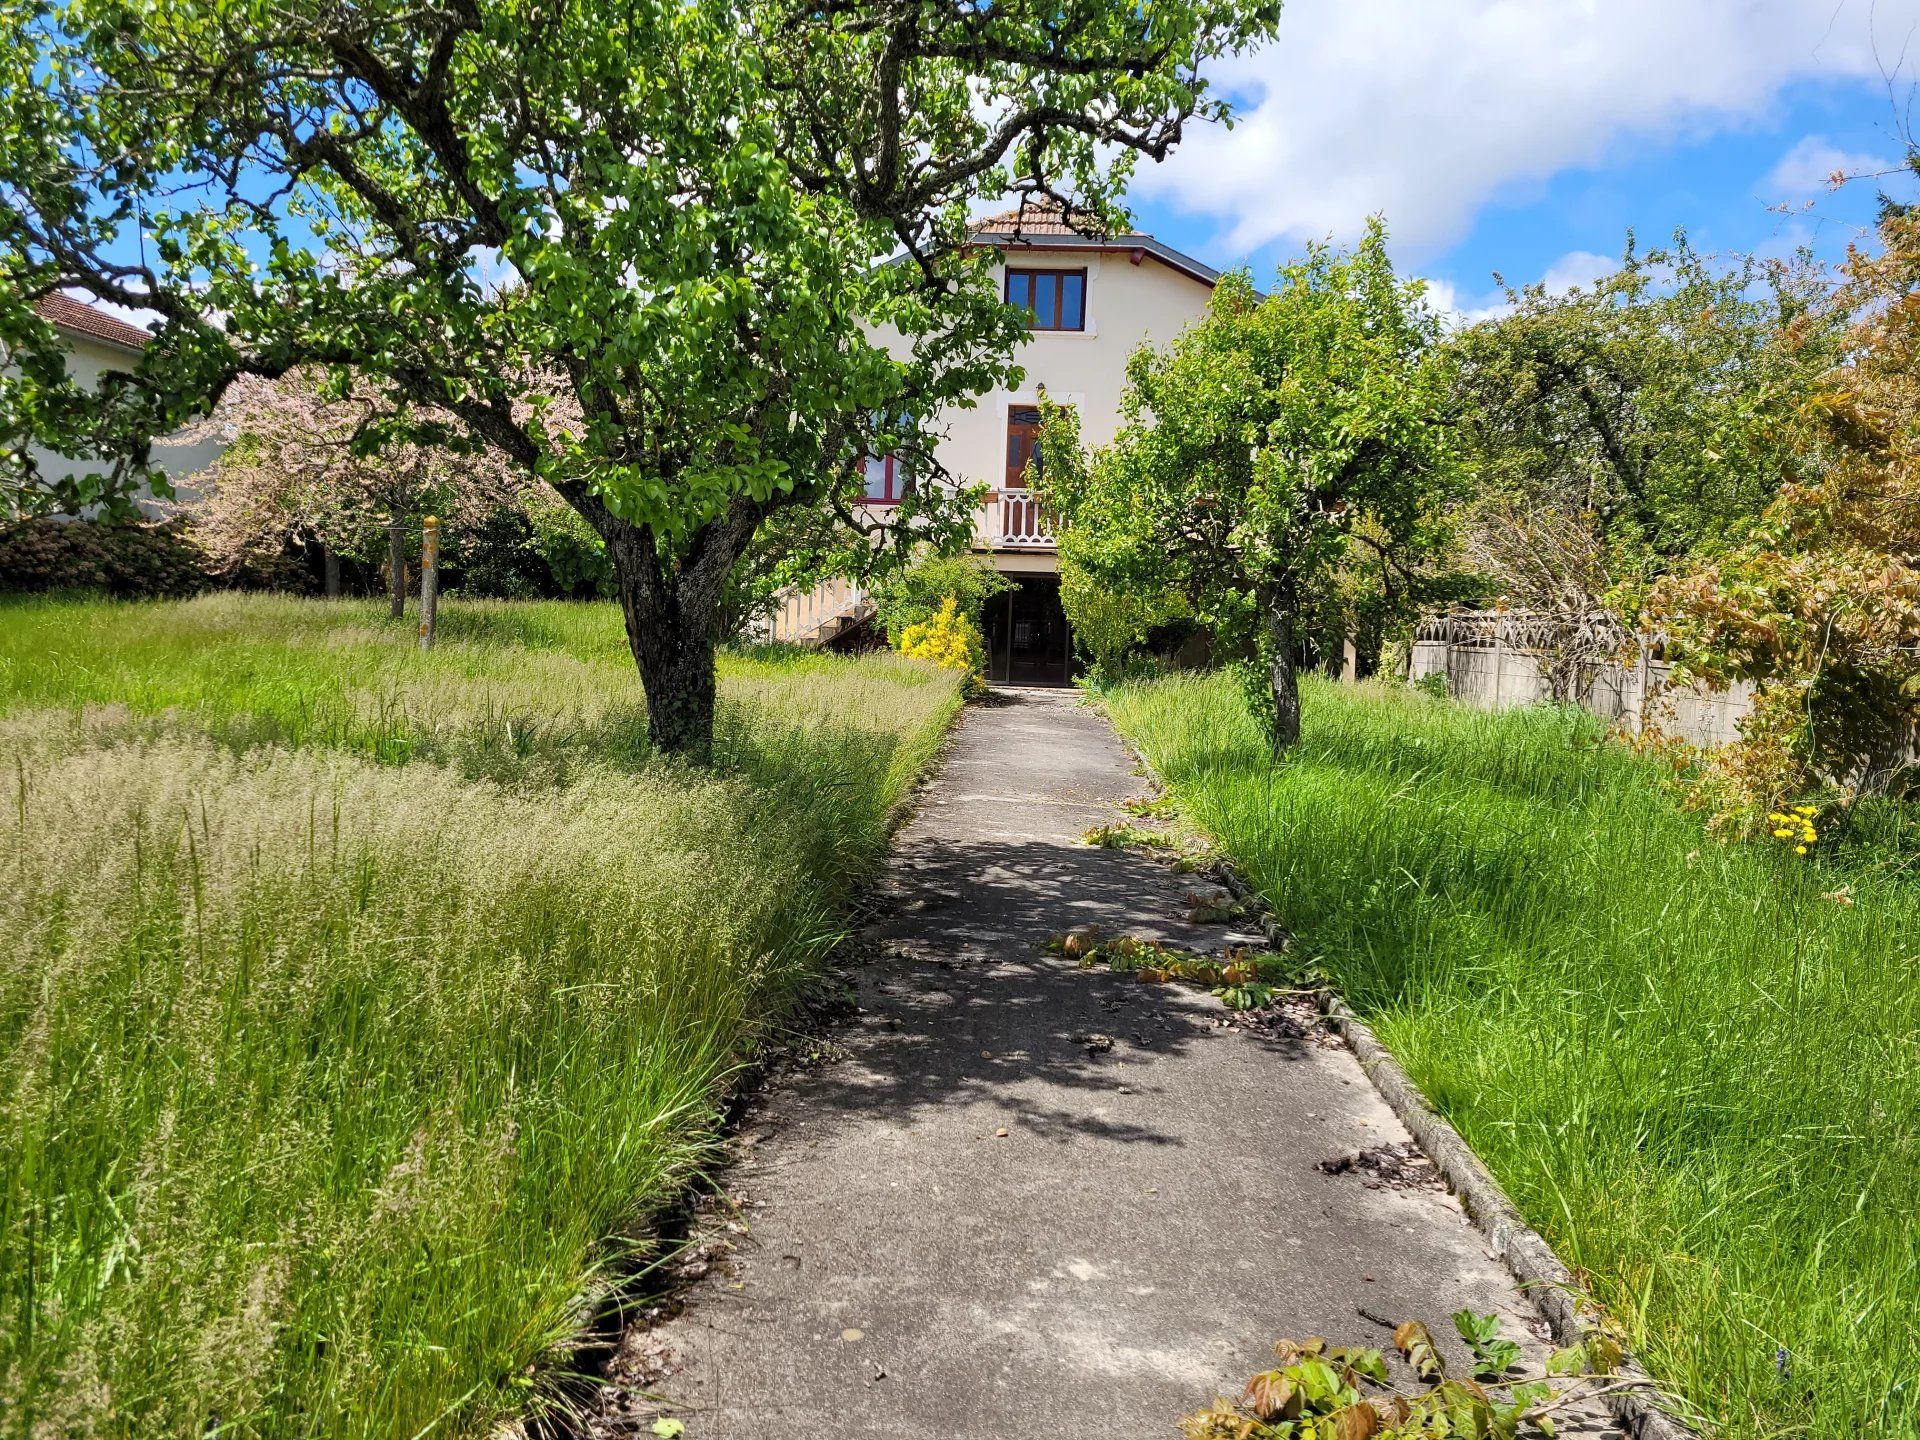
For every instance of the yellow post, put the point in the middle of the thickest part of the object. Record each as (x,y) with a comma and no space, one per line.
(429,578)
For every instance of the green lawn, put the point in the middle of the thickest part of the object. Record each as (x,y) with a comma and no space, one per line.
(357,1005)
(1693,1070)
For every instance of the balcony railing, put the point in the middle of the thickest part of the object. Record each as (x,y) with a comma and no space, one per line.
(1017,521)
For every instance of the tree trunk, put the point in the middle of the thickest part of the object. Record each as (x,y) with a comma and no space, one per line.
(396,566)
(329,573)
(676,663)
(1282,682)
(673,623)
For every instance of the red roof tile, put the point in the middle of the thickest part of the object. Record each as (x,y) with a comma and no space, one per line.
(1042,217)
(1043,229)
(63,312)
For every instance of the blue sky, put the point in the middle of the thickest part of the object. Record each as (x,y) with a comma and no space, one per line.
(1527,136)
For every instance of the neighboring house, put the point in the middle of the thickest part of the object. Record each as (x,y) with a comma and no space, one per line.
(97,343)
(1093,301)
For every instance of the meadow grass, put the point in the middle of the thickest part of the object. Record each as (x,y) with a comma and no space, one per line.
(1694,1065)
(358,1007)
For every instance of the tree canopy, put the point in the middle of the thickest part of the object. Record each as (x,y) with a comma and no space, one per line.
(1819,602)
(686,262)
(1652,409)
(1273,447)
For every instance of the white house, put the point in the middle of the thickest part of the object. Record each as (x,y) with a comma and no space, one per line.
(95,344)
(1093,300)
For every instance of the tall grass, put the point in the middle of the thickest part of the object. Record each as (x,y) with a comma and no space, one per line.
(1694,1066)
(357,1006)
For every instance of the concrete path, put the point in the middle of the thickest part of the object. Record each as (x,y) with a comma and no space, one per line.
(980,1222)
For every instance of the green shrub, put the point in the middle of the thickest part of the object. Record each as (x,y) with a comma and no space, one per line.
(1111,624)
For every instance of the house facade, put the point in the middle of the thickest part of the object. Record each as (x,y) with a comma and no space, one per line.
(96,343)
(1092,300)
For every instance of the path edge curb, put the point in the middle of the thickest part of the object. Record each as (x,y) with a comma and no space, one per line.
(1644,1410)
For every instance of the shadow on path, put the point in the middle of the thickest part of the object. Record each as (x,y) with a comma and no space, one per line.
(1029,1199)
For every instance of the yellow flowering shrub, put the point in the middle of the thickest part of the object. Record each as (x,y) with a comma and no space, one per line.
(949,639)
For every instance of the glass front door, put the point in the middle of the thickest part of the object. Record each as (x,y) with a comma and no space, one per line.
(1027,637)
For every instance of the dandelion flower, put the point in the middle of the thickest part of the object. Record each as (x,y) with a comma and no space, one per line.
(1799,849)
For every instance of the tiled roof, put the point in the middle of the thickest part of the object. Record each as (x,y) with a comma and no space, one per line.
(1043,217)
(63,312)
(1042,228)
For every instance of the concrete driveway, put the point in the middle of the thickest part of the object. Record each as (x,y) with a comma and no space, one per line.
(984,1221)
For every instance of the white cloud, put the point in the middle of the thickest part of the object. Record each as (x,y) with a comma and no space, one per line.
(1428,109)
(1808,169)
(1577,269)
(1457,310)
(1573,269)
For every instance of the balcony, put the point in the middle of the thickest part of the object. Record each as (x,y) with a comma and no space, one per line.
(1015,520)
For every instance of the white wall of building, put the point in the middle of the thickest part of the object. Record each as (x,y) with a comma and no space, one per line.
(1126,305)
(88,359)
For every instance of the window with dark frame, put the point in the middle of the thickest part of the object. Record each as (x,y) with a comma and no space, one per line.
(1056,299)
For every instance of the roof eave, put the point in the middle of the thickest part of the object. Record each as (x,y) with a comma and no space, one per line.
(78,332)
(1165,254)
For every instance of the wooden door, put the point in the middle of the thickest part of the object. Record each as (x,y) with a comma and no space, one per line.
(1023,445)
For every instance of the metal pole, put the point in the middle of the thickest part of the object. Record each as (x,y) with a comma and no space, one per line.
(1007,679)
(429,578)
(1640,708)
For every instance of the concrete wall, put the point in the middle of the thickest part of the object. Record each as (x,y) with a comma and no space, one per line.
(1490,672)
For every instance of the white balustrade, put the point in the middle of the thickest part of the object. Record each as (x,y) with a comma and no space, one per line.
(1024,523)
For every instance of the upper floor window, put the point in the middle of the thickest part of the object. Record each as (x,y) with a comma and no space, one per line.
(1056,299)
(889,477)
(887,480)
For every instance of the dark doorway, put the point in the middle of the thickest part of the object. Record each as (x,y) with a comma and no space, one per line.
(1027,638)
